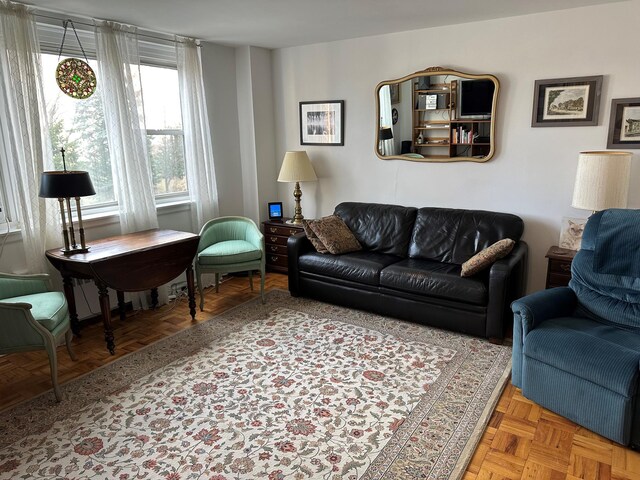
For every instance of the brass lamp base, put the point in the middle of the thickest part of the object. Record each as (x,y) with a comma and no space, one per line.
(73,251)
(297,211)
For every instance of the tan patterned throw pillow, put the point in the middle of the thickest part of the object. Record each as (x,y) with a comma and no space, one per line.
(335,235)
(313,238)
(486,257)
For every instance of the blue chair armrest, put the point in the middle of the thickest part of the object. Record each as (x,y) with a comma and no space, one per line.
(531,311)
(543,305)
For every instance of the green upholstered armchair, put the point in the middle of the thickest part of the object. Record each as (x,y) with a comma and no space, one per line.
(230,244)
(32,318)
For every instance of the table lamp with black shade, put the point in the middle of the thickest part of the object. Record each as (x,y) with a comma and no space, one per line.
(64,185)
(384,134)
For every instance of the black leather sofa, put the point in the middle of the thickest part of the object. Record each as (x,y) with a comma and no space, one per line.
(410,265)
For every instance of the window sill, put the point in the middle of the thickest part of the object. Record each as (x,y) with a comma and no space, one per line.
(94,220)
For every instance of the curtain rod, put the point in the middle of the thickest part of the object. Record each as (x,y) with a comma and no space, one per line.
(80,22)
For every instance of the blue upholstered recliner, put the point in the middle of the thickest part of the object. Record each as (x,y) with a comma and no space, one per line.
(576,349)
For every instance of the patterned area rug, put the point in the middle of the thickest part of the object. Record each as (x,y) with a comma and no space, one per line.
(294,389)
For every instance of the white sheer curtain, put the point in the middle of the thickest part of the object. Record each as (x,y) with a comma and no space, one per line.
(119,77)
(24,140)
(388,146)
(201,178)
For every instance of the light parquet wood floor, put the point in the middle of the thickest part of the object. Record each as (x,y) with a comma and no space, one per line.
(522,440)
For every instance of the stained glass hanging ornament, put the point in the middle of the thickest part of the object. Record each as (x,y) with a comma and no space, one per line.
(74,76)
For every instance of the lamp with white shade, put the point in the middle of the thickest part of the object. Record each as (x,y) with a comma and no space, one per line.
(602,180)
(296,167)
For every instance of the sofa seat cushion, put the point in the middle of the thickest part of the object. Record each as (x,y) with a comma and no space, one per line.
(428,277)
(228,252)
(362,267)
(602,354)
(48,308)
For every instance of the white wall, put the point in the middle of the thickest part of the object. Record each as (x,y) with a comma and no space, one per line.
(533,170)
(257,131)
(219,72)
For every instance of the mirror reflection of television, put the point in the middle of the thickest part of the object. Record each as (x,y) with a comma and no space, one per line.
(476,98)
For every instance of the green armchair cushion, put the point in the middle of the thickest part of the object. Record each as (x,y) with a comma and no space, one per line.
(48,308)
(229,252)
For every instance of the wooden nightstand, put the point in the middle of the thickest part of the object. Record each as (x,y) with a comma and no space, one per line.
(276,235)
(559,266)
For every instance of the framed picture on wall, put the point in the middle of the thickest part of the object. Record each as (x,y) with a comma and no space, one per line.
(624,123)
(322,123)
(566,102)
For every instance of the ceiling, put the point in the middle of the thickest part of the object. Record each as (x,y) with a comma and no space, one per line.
(286,23)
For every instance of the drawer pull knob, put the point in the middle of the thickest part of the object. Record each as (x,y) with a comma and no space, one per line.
(292,232)
(565,268)
(274,258)
(273,229)
(274,248)
(274,239)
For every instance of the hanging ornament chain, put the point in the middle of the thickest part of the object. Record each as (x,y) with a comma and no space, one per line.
(65,24)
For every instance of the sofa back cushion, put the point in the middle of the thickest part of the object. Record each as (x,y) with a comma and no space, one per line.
(379,227)
(454,235)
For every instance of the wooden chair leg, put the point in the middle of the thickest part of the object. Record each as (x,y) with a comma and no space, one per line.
(67,338)
(199,280)
(251,279)
(50,346)
(217,282)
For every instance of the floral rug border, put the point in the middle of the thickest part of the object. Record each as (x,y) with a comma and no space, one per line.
(447,460)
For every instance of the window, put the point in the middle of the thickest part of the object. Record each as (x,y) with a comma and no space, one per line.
(163,120)
(79,125)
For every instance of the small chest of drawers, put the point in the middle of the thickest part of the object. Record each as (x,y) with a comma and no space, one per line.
(559,266)
(276,235)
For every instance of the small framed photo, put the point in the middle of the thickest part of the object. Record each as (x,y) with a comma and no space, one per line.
(624,123)
(394,89)
(275,211)
(322,123)
(571,233)
(566,102)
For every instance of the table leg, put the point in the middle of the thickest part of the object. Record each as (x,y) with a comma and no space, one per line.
(191,292)
(105,308)
(122,307)
(154,298)
(71,301)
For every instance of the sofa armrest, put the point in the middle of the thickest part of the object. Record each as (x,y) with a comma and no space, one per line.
(507,278)
(297,245)
(531,311)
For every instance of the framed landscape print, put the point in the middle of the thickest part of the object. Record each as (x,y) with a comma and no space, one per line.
(624,123)
(566,102)
(322,123)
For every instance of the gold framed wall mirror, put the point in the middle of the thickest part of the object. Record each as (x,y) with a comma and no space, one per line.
(437,115)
